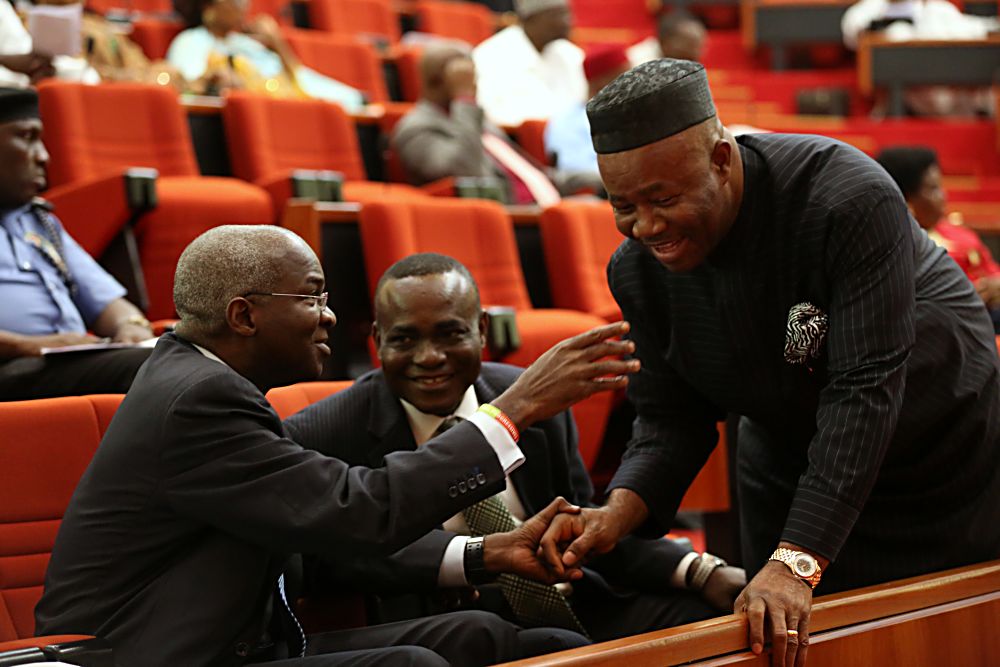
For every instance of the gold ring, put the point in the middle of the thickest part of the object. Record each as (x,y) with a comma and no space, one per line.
(792,633)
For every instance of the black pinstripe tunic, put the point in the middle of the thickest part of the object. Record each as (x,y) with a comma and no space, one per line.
(883,454)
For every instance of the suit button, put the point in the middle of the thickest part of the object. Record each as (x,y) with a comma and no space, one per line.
(481,478)
(472,483)
(452,491)
(462,487)
(243,649)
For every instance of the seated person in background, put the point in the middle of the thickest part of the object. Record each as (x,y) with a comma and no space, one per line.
(51,289)
(220,50)
(430,332)
(173,543)
(679,34)
(530,70)
(446,135)
(20,66)
(901,20)
(567,135)
(915,170)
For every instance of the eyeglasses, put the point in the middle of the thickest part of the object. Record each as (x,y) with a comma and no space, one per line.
(319,300)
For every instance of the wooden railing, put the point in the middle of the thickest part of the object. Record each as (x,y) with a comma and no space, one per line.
(947,618)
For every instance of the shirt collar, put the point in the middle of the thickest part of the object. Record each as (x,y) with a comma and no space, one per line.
(11,214)
(423,424)
(208,353)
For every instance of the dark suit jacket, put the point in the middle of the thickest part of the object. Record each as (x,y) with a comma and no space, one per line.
(172,542)
(365,424)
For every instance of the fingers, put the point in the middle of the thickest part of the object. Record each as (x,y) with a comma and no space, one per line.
(791,641)
(779,637)
(596,335)
(755,614)
(800,657)
(578,549)
(558,531)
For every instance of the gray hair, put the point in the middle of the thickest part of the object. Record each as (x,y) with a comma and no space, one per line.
(223,263)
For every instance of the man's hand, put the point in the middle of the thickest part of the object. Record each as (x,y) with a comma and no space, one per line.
(723,585)
(36,65)
(265,30)
(989,290)
(129,332)
(569,372)
(783,600)
(460,78)
(516,552)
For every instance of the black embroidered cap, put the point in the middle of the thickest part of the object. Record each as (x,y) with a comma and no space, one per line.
(18,104)
(648,103)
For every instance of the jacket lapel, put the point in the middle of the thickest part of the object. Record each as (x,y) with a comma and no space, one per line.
(388,427)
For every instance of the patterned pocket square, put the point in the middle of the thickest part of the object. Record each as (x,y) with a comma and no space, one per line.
(805,333)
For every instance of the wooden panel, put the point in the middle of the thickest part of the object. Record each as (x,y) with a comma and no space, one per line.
(728,635)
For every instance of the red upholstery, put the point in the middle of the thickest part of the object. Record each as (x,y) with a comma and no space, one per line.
(365,18)
(342,57)
(154,36)
(467,21)
(47,445)
(96,132)
(131,6)
(480,235)
(578,239)
(269,138)
(530,135)
(279,10)
(286,401)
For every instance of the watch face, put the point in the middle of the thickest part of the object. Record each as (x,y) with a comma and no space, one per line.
(805,565)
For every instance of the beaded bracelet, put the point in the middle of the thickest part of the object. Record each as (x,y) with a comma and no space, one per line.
(504,420)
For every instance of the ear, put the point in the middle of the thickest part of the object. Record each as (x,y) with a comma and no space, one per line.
(722,155)
(484,327)
(377,335)
(240,317)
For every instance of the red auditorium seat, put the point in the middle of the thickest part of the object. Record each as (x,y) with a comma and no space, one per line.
(480,235)
(467,21)
(164,7)
(94,133)
(342,57)
(286,401)
(407,60)
(578,239)
(370,19)
(154,35)
(270,138)
(47,445)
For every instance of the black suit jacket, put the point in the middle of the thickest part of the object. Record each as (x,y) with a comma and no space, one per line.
(366,423)
(172,542)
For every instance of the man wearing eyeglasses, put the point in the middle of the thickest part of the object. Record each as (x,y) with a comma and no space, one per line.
(52,291)
(174,541)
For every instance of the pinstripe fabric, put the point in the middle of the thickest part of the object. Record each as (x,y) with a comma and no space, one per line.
(883,454)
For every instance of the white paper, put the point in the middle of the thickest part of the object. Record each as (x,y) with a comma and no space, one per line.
(98,347)
(55,29)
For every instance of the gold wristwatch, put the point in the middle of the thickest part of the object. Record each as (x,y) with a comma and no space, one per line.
(802,565)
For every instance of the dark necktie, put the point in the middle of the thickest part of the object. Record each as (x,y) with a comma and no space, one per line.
(298,636)
(534,604)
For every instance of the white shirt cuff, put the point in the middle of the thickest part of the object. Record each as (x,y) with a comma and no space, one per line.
(677,579)
(452,572)
(499,439)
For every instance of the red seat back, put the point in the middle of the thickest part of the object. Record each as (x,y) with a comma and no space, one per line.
(341,57)
(467,21)
(477,233)
(267,136)
(364,18)
(288,400)
(154,36)
(578,239)
(94,131)
(46,447)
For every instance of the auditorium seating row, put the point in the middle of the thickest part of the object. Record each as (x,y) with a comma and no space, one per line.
(47,446)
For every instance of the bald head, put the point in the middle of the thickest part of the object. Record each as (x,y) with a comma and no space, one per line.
(227,262)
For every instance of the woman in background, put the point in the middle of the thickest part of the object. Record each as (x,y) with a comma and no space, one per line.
(221,50)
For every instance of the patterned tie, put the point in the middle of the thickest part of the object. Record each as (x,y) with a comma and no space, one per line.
(287,609)
(534,604)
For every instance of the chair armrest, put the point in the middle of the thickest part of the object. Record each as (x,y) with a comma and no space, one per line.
(81,650)
(502,336)
(442,187)
(301,183)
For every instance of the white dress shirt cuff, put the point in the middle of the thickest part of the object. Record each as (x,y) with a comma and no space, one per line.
(678,578)
(499,439)
(452,572)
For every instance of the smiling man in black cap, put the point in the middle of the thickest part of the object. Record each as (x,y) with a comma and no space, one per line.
(780,277)
(52,290)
